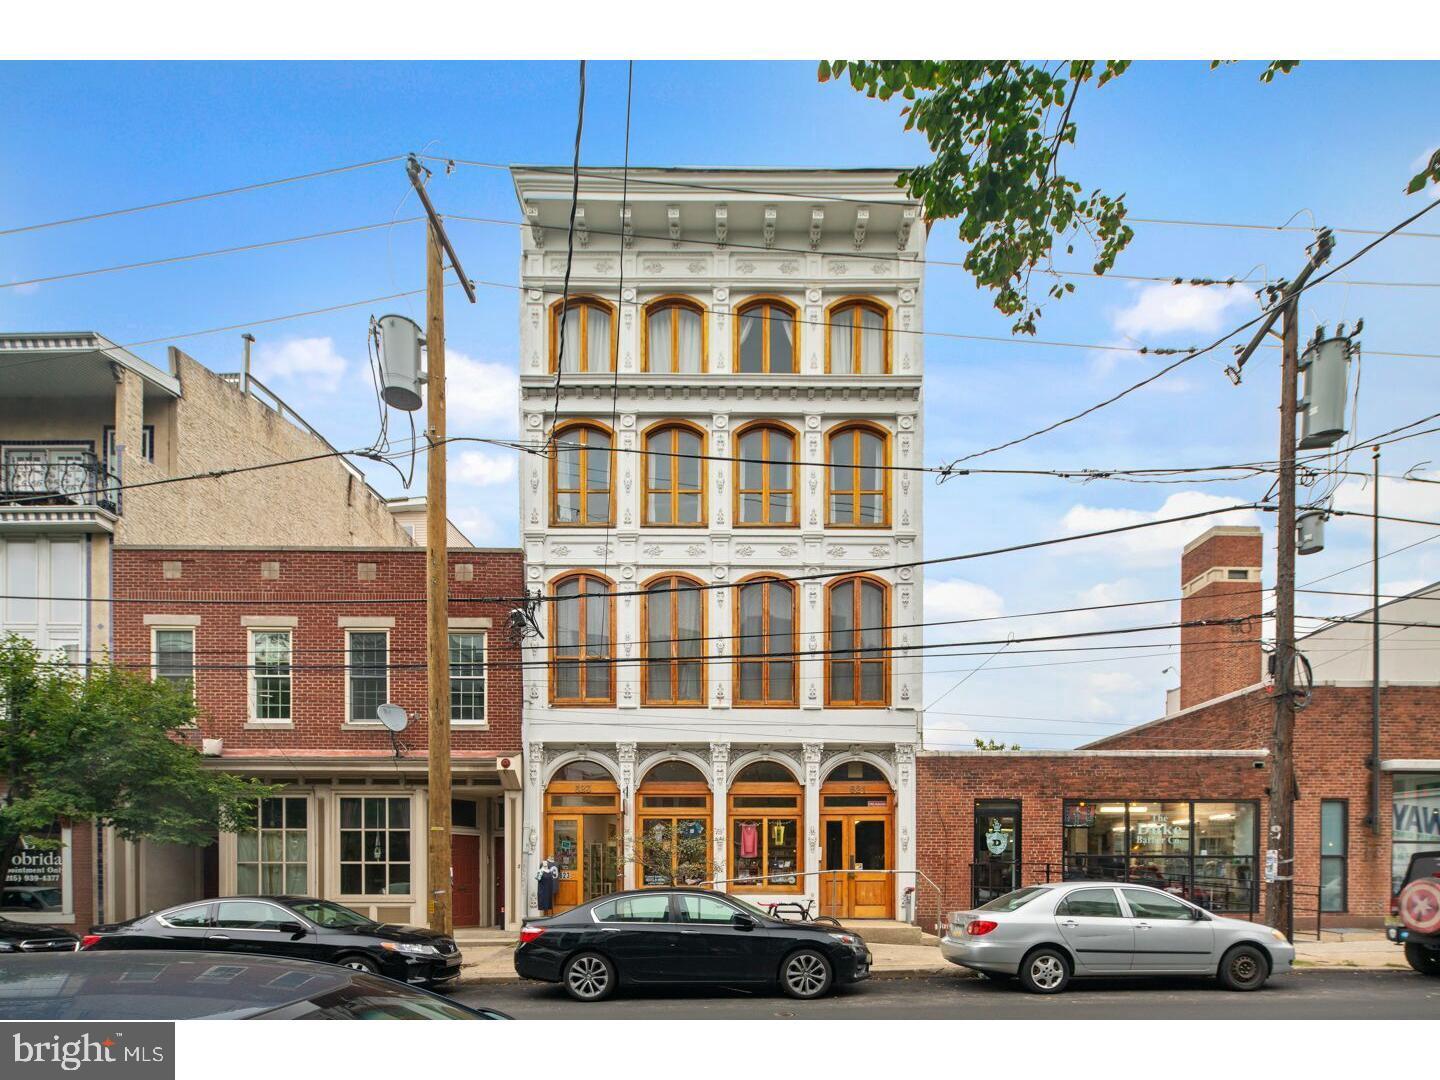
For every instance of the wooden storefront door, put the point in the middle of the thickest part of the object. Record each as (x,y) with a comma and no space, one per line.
(857,854)
(465,878)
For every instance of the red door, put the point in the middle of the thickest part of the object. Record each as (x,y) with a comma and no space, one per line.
(465,878)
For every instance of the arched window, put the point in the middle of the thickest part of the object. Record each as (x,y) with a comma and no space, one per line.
(581,633)
(859,341)
(766,813)
(580,476)
(674,642)
(674,475)
(581,771)
(672,825)
(857,661)
(765,643)
(765,337)
(765,477)
(587,326)
(857,482)
(675,336)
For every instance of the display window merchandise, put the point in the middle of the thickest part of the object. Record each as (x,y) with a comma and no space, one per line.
(582,833)
(765,813)
(672,826)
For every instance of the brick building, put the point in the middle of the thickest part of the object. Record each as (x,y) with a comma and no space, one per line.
(1181,801)
(289,651)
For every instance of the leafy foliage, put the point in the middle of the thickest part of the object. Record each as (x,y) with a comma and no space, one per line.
(668,857)
(106,746)
(992,744)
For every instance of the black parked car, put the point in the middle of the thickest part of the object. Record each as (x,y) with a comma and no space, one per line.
(32,937)
(686,936)
(293,926)
(165,985)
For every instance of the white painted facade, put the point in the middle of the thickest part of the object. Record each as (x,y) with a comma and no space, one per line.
(814,239)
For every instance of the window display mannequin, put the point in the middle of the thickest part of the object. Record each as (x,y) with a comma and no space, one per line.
(548,877)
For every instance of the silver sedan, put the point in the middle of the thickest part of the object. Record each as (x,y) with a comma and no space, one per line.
(1044,934)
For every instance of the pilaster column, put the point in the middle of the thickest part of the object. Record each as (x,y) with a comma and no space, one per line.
(905,825)
(813,752)
(626,754)
(530,827)
(719,790)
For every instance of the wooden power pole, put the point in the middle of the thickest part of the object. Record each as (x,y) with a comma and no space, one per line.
(439,906)
(1280,835)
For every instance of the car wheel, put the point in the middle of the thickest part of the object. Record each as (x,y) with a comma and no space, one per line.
(1422,958)
(805,974)
(1045,971)
(1244,967)
(360,963)
(589,977)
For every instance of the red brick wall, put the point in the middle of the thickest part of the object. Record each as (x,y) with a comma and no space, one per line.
(317,587)
(1332,743)
(1218,660)
(949,785)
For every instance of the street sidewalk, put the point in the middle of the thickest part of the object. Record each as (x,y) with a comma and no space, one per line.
(495,963)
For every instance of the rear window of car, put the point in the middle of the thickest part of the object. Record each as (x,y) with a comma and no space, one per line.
(1012,900)
(1427,865)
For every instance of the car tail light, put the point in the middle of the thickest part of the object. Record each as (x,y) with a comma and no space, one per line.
(530,933)
(88,940)
(980,927)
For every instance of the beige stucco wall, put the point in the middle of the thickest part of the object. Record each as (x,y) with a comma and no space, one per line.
(318,503)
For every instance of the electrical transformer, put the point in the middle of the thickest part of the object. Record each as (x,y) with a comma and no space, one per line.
(400,362)
(1310,531)
(1325,372)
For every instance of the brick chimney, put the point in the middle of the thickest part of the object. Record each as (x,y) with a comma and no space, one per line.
(1220,579)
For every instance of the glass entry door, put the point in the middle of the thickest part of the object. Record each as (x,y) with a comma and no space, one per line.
(996,867)
(857,852)
(586,847)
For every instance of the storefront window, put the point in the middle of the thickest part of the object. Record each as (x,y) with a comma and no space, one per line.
(672,828)
(1204,852)
(375,846)
(273,857)
(1417,821)
(36,882)
(765,817)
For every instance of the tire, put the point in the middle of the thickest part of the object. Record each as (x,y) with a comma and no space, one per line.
(589,977)
(1245,967)
(806,975)
(1045,971)
(359,963)
(1423,958)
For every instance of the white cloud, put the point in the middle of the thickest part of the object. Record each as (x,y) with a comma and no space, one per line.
(313,363)
(1170,309)
(958,599)
(1158,544)
(478,526)
(481,468)
(483,397)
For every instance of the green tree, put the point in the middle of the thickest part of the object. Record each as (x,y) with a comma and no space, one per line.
(667,856)
(995,129)
(106,746)
(991,744)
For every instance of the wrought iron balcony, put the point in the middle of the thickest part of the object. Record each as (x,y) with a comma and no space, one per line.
(34,477)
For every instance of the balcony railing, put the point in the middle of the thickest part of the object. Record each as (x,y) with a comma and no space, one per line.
(77,480)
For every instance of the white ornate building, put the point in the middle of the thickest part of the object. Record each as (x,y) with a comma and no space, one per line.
(691,713)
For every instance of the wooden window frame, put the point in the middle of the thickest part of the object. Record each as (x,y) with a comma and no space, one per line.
(584,489)
(856,661)
(253,677)
(742,312)
(673,664)
(853,303)
(671,427)
(583,657)
(663,303)
(854,429)
(790,657)
(417,852)
(765,815)
(584,301)
(769,427)
(674,815)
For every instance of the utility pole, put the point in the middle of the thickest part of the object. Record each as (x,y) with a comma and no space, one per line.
(1373,819)
(439,907)
(1280,837)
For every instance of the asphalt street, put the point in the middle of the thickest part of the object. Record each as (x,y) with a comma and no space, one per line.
(1302,995)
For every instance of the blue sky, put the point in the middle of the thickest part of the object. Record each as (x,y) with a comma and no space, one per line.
(1334,140)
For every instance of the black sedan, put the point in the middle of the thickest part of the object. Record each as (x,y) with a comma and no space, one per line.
(686,936)
(19,937)
(164,985)
(291,926)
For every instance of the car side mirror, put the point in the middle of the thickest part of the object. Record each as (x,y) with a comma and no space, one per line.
(291,928)
(1199,916)
(741,921)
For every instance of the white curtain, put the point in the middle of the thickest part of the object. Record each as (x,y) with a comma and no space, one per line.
(872,343)
(599,340)
(570,331)
(842,346)
(688,354)
(660,359)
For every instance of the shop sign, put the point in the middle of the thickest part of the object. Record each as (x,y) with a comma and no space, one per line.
(36,879)
(1417,820)
(996,841)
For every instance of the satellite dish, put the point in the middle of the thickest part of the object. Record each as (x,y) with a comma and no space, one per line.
(393,717)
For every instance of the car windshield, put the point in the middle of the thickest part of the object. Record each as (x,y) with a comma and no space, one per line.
(332,916)
(1012,900)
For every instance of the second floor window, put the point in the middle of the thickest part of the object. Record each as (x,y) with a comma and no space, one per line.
(765,643)
(674,337)
(587,326)
(580,475)
(857,658)
(674,642)
(858,338)
(582,671)
(467,677)
(674,491)
(765,337)
(856,480)
(174,657)
(765,488)
(270,676)
(367,674)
